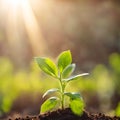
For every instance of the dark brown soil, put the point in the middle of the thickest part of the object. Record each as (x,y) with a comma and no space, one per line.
(67,115)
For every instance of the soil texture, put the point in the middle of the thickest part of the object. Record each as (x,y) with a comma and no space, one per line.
(67,114)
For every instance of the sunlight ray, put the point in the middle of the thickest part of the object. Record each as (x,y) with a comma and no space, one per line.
(15,13)
(33,29)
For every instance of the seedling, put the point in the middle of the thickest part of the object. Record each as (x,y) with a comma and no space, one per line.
(62,72)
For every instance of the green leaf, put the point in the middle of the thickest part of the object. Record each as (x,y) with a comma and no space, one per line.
(68,70)
(76,102)
(73,95)
(47,66)
(64,59)
(49,104)
(77,106)
(76,77)
(50,91)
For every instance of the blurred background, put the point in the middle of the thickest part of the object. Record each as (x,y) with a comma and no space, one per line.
(30,28)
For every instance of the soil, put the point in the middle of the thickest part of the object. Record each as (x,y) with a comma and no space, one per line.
(67,114)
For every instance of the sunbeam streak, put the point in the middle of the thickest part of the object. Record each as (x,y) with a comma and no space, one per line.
(18,15)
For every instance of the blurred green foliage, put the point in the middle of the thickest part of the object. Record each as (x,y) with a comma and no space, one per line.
(14,83)
(115,70)
(103,81)
(117,111)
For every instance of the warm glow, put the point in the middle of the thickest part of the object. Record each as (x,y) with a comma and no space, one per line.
(15,15)
(14,2)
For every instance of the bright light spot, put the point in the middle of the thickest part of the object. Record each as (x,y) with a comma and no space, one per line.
(18,16)
(13,4)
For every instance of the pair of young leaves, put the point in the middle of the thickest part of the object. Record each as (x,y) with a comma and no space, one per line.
(62,71)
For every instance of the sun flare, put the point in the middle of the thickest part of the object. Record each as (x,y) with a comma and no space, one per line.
(19,16)
(14,2)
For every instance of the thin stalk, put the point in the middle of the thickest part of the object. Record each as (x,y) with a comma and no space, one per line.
(62,86)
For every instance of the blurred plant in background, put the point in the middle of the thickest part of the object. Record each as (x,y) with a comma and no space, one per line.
(117,111)
(102,88)
(115,71)
(99,89)
(6,85)
(15,83)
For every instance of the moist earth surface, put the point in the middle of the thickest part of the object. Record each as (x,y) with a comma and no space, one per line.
(67,114)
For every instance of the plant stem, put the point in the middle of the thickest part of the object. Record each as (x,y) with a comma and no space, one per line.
(62,86)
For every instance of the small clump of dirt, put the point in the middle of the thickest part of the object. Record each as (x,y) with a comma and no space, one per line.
(67,114)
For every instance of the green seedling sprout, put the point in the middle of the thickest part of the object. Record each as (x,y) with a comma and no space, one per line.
(62,72)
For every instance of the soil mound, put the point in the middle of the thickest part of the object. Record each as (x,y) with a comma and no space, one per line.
(67,114)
